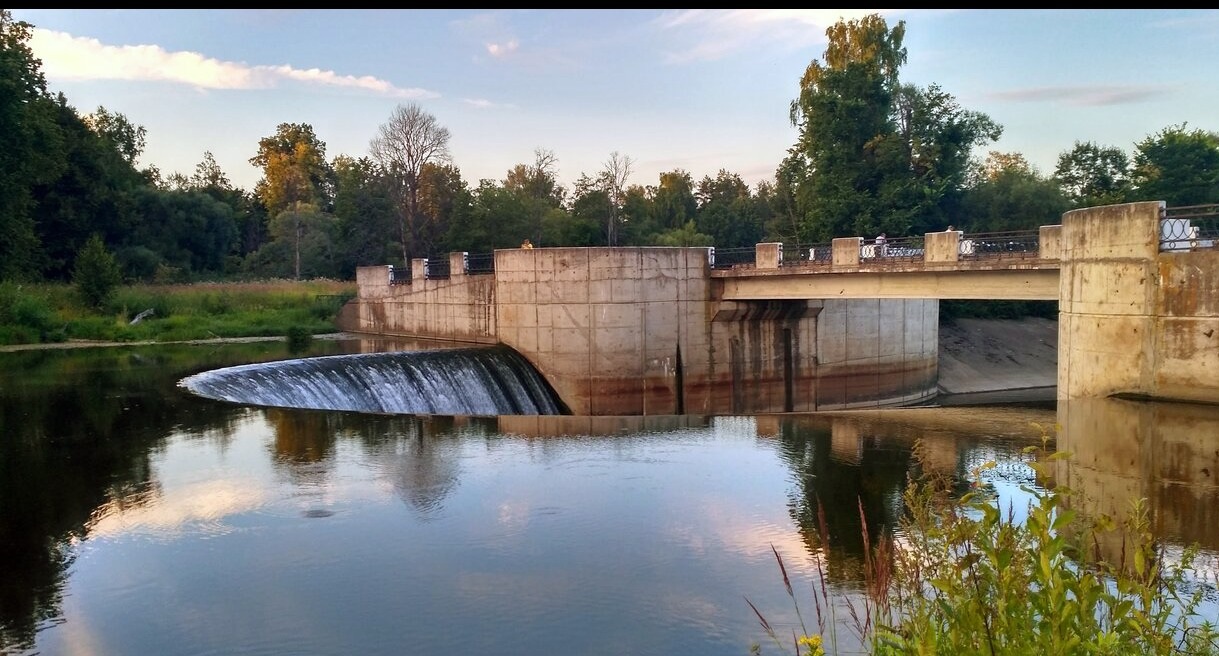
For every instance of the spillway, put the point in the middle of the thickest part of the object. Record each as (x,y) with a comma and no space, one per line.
(460,381)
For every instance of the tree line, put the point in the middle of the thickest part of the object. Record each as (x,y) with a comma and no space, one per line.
(872,155)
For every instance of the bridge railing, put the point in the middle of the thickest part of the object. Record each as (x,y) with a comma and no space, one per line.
(798,254)
(1000,245)
(728,258)
(897,249)
(1189,228)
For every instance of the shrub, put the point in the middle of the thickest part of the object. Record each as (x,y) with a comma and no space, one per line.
(96,274)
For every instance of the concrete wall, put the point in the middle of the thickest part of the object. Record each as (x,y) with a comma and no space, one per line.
(1132,320)
(644,331)
(461,307)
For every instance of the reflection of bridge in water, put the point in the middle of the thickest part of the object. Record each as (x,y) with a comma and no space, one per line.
(696,330)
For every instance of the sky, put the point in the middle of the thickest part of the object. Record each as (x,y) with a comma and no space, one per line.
(696,90)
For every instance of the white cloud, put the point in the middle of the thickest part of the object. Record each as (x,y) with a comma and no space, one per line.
(502,49)
(717,33)
(483,103)
(78,58)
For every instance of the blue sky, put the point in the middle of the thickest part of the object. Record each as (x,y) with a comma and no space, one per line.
(697,90)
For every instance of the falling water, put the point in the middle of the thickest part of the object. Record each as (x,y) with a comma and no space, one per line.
(463,381)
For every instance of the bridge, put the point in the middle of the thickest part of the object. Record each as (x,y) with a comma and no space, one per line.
(849,324)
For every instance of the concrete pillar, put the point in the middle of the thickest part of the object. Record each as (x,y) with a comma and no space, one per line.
(1108,284)
(418,269)
(1049,242)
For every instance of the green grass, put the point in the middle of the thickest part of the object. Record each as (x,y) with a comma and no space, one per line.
(45,313)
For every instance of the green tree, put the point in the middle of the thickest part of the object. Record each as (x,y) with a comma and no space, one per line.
(126,138)
(31,148)
(1178,166)
(874,155)
(94,193)
(1092,175)
(1007,194)
(673,200)
(367,224)
(727,212)
(96,274)
(537,183)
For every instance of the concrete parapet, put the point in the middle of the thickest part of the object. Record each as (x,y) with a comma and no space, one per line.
(768,255)
(942,246)
(846,251)
(1049,242)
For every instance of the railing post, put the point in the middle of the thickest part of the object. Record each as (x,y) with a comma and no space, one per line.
(846,251)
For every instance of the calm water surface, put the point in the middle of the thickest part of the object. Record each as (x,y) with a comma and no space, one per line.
(138,519)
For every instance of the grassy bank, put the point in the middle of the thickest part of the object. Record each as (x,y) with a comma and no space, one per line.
(49,313)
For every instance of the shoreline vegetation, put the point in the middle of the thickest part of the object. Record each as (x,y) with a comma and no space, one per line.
(57,315)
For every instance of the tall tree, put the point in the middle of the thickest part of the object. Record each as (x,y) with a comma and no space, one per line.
(410,139)
(616,171)
(1091,175)
(31,148)
(367,223)
(126,138)
(874,155)
(295,170)
(1008,194)
(1178,166)
(537,182)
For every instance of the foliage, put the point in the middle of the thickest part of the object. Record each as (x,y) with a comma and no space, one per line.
(1092,175)
(294,167)
(96,274)
(1178,166)
(34,313)
(969,578)
(874,155)
(1007,194)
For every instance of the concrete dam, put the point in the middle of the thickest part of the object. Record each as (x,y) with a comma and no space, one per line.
(660,330)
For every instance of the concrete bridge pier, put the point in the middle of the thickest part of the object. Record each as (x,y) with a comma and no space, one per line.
(1135,321)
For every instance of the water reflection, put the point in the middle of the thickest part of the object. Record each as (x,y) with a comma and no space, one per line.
(138,518)
(1165,453)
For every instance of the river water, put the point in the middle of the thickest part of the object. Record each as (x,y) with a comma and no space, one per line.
(137,518)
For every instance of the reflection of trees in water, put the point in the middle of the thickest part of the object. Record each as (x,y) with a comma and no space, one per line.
(873,479)
(420,456)
(77,430)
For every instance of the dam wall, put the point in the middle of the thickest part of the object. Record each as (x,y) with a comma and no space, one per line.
(644,331)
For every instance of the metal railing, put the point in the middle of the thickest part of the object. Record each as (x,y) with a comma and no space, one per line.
(1189,228)
(436,268)
(897,249)
(480,263)
(797,254)
(1000,245)
(729,258)
(400,275)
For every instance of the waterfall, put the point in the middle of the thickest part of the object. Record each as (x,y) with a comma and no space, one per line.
(461,381)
